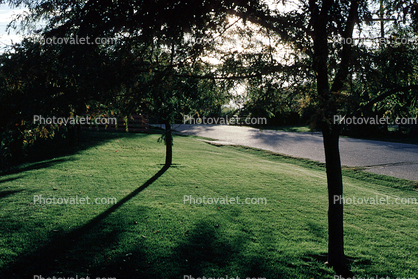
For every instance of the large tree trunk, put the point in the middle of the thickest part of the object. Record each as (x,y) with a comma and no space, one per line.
(168,144)
(336,257)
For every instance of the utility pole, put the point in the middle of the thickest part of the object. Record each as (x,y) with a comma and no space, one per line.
(382,20)
(382,24)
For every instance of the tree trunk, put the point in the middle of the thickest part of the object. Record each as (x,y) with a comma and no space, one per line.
(330,134)
(336,257)
(168,144)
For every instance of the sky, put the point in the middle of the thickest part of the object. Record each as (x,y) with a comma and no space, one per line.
(6,14)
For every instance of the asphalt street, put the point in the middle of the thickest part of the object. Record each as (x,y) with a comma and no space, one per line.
(388,158)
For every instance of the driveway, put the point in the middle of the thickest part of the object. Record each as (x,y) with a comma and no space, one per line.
(393,159)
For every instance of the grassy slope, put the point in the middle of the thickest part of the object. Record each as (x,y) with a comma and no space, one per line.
(294,128)
(153,234)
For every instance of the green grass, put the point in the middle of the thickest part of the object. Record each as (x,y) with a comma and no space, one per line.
(291,128)
(152,233)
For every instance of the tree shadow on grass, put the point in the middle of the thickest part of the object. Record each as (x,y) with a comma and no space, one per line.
(60,254)
(205,252)
(202,251)
(10,179)
(205,249)
(4,194)
(34,166)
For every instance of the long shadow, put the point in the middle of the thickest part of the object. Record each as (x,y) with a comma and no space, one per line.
(35,166)
(45,259)
(11,179)
(77,232)
(4,194)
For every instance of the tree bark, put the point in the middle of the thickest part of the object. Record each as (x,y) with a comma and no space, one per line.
(330,133)
(336,257)
(168,144)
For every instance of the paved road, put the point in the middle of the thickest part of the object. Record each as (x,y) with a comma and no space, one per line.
(394,159)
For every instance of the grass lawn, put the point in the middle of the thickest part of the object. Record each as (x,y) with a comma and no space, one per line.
(294,128)
(152,233)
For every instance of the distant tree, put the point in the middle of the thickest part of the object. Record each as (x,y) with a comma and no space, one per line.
(49,80)
(154,43)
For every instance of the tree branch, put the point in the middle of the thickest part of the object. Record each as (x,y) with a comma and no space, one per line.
(383,96)
(342,73)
